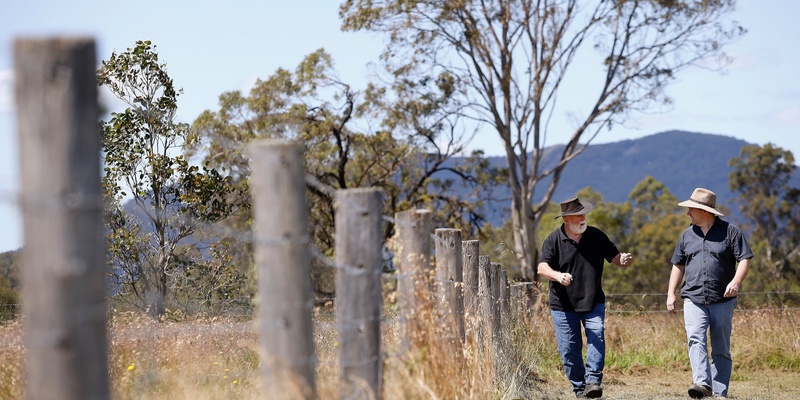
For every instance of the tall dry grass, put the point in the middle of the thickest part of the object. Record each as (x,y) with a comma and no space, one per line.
(218,358)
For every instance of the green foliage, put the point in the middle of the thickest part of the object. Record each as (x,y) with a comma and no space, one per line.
(761,177)
(9,300)
(212,285)
(402,143)
(9,284)
(173,200)
(502,63)
(655,224)
(9,266)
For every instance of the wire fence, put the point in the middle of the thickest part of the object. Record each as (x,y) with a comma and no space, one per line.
(325,314)
(360,315)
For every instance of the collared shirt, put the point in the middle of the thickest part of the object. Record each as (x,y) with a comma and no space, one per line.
(710,260)
(583,260)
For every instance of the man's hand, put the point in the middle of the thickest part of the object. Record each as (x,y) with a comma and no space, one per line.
(625,259)
(565,279)
(731,290)
(672,303)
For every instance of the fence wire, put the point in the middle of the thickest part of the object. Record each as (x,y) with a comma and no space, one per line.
(325,317)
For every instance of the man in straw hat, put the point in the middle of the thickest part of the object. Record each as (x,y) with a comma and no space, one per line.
(572,259)
(714,257)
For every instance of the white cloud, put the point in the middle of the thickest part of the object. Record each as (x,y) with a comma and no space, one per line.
(6,91)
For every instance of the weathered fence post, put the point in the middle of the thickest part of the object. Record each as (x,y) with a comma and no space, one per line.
(281,240)
(448,283)
(497,323)
(63,273)
(519,304)
(470,250)
(486,309)
(413,251)
(505,308)
(358,291)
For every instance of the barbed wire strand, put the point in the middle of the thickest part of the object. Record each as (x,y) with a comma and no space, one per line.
(83,202)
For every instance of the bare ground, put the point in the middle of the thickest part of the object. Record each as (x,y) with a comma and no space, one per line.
(653,384)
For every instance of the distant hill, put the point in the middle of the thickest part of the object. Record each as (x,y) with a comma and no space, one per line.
(681,160)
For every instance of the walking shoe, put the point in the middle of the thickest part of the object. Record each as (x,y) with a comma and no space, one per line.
(593,391)
(699,391)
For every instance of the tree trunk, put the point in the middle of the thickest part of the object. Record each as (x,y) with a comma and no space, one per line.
(524,237)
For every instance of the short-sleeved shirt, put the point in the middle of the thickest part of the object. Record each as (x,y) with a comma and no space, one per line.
(584,260)
(710,260)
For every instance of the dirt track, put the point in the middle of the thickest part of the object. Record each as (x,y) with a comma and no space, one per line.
(660,386)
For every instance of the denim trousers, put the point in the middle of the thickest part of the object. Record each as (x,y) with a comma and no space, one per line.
(569,338)
(716,321)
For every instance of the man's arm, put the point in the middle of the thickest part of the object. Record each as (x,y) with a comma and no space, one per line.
(741,271)
(552,275)
(675,278)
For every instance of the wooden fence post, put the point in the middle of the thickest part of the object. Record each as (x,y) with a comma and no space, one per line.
(470,251)
(505,309)
(63,259)
(413,255)
(283,263)
(358,291)
(497,322)
(519,305)
(486,309)
(448,283)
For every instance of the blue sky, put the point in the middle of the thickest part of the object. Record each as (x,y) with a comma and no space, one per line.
(210,49)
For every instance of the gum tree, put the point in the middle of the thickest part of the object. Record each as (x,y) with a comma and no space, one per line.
(509,60)
(386,137)
(762,178)
(154,245)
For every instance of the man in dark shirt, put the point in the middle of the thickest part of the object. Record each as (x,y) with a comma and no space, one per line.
(714,257)
(572,260)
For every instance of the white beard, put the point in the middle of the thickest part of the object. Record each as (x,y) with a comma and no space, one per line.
(578,229)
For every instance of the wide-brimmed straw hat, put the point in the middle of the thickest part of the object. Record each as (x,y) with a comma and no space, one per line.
(573,206)
(703,199)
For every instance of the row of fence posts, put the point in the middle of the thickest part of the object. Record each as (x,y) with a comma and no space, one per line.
(470,293)
(63,274)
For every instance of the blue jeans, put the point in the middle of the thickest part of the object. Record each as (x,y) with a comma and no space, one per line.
(715,319)
(567,325)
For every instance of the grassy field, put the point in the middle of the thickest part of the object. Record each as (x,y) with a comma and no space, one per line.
(217,358)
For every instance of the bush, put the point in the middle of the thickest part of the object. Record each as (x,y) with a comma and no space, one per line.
(9,299)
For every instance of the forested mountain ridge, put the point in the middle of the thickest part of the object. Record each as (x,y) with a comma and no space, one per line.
(681,160)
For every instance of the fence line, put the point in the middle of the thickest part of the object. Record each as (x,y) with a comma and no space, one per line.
(466,284)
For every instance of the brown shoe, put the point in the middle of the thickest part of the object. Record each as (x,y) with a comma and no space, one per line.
(699,391)
(593,391)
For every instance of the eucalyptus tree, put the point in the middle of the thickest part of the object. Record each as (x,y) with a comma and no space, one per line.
(655,224)
(387,137)
(762,179)
(151,244)
(508,61)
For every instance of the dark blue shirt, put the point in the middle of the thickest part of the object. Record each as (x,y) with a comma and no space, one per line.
(583,260)
(710,260)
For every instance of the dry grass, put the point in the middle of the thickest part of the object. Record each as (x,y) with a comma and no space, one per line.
(210,359)
(214,359)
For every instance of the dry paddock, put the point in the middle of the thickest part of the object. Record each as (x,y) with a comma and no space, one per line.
(226,338)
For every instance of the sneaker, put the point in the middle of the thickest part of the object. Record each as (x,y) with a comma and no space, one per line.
(699,391)
(593,391)
(579,394)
